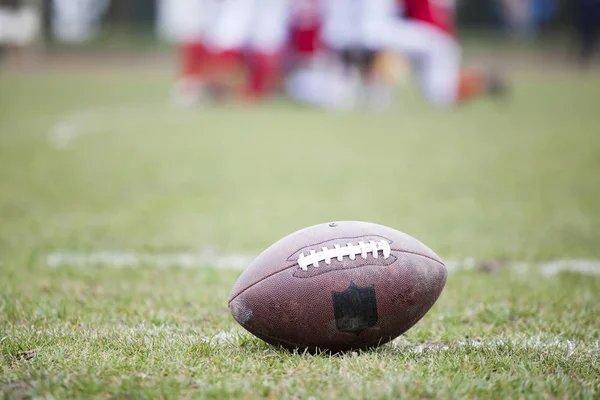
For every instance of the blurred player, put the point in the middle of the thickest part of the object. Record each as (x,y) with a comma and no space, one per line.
(426,35)
(252,31)
(305,23)
(353,69)
(186,22)
(330,72)
(234,50)
(309,68)
(344,33)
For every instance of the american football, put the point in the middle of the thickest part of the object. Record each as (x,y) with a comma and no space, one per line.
(338,286)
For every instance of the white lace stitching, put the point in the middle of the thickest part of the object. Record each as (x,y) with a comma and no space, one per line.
(350,250)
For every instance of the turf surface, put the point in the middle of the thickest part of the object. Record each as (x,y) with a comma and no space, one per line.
(94,162)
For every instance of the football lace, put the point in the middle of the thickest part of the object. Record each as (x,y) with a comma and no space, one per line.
(349,250)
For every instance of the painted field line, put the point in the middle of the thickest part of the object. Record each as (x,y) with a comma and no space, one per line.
(239,261)
(547,268)
(77,123)
(540,343)
(236,335)
(128,259)
(587,267)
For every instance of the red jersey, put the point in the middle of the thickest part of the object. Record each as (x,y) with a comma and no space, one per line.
(439,13)
(306,26)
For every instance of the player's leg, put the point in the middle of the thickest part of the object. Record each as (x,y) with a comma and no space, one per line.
(185,21)
(343,36)
(436,56)
(439,71)
(312,72)
(385,31)
(190,86)
(267,37)
(378,76)
(226,38)
(388,70)
(445,83)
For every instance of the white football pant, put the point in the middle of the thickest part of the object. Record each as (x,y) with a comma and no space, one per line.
(259,25)
(185,20)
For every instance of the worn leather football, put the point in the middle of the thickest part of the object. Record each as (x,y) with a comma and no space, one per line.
(338,286)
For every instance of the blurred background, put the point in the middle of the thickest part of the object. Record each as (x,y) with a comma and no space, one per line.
(326,53)
(201,121)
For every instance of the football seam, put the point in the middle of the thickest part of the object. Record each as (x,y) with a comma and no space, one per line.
(331,240)
(288,267)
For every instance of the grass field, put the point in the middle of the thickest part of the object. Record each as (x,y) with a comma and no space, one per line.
(96,163)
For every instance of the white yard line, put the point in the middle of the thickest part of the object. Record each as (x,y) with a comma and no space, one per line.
(239,261)
(75,124)
(125,259)
(235,335)
(547,268)
(587,267)
(541,343)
